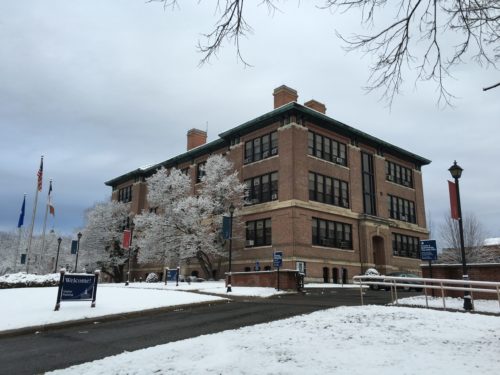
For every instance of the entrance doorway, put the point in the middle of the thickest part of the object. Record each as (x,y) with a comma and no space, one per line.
(344,276)
(378,253)
(335,275)
(326,275)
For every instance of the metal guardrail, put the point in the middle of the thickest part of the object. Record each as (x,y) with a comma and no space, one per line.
(427,284)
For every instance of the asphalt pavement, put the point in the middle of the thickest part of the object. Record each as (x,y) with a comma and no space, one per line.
(61,347)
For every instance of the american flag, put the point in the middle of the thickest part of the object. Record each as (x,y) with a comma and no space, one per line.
(40,175)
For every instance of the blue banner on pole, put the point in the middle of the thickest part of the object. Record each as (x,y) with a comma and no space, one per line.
(74,246)
(226,227)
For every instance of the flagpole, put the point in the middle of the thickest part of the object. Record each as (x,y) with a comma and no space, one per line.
(38,188)
(40,264)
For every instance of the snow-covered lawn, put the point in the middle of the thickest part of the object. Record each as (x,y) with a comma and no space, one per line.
(488,306)
(27,307)
(214,287)
(345,340)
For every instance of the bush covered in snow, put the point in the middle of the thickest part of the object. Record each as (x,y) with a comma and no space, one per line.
(24,280)
(372,272)
(152,278)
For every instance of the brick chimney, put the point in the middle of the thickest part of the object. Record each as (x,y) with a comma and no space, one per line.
(284,95)
(317,106)
(195,138)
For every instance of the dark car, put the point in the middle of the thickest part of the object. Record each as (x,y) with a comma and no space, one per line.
(405,274)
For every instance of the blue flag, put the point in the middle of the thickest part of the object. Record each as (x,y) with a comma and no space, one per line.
(226,227)
(74,246)
(21,215)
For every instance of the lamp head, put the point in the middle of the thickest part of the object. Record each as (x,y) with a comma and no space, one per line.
(456,170)
(231,209)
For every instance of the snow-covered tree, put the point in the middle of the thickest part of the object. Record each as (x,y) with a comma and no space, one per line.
(9,245)
(186,226)
(154,230)
(101,237)
(42,261)
(153,238)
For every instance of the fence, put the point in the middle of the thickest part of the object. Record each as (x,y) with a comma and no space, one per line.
(426,284)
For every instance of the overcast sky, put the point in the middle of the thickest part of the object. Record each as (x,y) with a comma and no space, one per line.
(101,87)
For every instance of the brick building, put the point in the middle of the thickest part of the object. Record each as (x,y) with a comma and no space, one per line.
(334,199)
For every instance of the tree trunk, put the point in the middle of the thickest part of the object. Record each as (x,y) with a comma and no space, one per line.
(205,264)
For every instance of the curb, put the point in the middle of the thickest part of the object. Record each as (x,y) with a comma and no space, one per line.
(105,318)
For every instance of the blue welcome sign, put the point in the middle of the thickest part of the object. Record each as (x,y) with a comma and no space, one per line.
(77,287)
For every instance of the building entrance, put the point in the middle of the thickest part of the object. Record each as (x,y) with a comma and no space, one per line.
(379,253)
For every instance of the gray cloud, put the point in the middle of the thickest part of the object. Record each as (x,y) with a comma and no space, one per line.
(101,87)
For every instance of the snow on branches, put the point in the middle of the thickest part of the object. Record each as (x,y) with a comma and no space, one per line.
(100,243)
(185,225)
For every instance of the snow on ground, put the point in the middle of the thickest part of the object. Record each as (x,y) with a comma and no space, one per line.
(214,287)
(345,340)
(488,306)
(27,307)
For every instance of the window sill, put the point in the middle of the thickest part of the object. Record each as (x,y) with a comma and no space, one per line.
(333,248)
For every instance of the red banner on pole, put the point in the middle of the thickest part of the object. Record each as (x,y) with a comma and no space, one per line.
(453,200)
(126,239)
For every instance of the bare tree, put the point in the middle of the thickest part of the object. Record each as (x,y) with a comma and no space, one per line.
(423,23)
(474,236)
(413,39)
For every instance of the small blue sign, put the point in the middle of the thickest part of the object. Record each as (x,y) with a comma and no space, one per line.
(257,266)
(78,287)
(278,259)
(428,250)
(172,275)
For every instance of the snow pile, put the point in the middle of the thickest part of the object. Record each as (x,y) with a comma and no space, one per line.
(346,340)
(22,279)
(491,241)
(372,272)
(480,305)
(152,278)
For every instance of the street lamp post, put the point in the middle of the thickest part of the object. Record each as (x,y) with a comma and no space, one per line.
(58,248)
(231,212)
(456,173)
(79,235)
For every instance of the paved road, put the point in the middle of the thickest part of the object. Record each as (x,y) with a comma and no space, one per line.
(36,353)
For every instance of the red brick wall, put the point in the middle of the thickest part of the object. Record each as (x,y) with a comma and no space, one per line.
(288,279)
(477,272)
